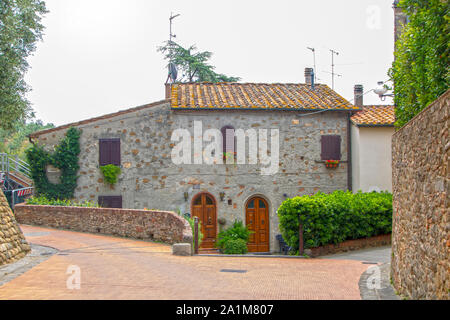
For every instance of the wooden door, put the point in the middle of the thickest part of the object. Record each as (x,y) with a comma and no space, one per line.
(204,207)
(257,218)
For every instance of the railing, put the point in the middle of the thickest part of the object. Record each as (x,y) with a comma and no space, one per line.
(17,196)
(9,163)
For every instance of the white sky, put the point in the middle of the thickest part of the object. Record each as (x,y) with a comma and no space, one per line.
(99,56)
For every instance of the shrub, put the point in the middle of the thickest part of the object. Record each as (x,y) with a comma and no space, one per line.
(110,173)
(235,232)
(336,217)
(235,246)
(43,201)
(65,157)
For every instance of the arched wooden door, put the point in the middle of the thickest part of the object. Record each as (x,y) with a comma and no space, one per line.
(257,219)
(204,207)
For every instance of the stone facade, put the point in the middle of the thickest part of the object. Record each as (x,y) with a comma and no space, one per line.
(150,179)
(421,225)
(13,245)
(152,225)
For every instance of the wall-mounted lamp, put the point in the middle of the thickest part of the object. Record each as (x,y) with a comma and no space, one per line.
(186,196)
(222,196)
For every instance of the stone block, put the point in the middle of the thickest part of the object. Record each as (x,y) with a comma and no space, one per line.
(182,249)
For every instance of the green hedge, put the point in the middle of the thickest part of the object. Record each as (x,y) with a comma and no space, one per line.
(336,217)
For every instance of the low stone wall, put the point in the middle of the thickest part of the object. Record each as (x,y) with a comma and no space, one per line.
(13,245)
(161,226)
(349,245)
(420,266)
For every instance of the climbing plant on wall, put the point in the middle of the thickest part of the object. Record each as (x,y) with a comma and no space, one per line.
(65,158)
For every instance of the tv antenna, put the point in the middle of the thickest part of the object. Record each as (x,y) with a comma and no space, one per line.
(173,73)
(314,57)
(171,19)
(333,52)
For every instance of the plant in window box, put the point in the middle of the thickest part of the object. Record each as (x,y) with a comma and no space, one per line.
(229,157)
(332,163)
(111,173)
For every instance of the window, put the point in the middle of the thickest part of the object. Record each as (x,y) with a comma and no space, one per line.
(229,141)
(110,201)
(331,147)
(109,152)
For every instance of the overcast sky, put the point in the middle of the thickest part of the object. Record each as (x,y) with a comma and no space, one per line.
(100,56)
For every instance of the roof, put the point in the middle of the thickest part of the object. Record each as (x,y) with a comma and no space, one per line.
(277,96)
(106,116)
(375,116)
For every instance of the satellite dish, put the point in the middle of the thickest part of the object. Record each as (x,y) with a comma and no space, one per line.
(173,73)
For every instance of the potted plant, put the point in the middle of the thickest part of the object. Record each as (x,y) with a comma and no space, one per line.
(110,173)
(332,163)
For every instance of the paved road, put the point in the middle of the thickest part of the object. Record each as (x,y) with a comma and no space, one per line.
(378,260)
(117,268)
(378,255)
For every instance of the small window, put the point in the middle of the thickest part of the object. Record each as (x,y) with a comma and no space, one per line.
(262,204)
(109,152)
(110,201)
(229,140)
(331,147)
(251,204)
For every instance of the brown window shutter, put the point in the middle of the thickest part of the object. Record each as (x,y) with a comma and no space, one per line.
(228,140)
(331,147)
(115,152)
(110,201)
(109,152)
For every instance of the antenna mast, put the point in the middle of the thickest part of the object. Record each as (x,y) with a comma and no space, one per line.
(333,52)
(170,19)
(172,68)
(314,56)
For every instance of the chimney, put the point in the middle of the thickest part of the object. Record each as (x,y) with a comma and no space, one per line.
(359,91)
(168,90)
(308,74)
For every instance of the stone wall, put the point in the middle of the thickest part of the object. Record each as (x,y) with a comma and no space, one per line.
(150,179)
(13,245)
(161,226)
(420,236)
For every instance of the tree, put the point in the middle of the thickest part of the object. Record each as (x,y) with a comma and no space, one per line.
(192,65)
(15,141)
(20,30)
(420,70)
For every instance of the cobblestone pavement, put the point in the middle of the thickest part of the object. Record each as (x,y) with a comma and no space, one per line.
(117,268)
(374,283)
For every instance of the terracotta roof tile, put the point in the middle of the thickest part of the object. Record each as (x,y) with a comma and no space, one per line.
(375,116)
(227,95)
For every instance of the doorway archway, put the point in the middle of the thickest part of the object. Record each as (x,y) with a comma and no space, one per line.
(257,220)
(204,207)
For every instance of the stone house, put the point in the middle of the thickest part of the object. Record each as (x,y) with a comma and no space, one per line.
(309,123)
(371,134)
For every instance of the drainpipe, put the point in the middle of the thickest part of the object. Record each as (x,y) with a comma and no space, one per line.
(349,152)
